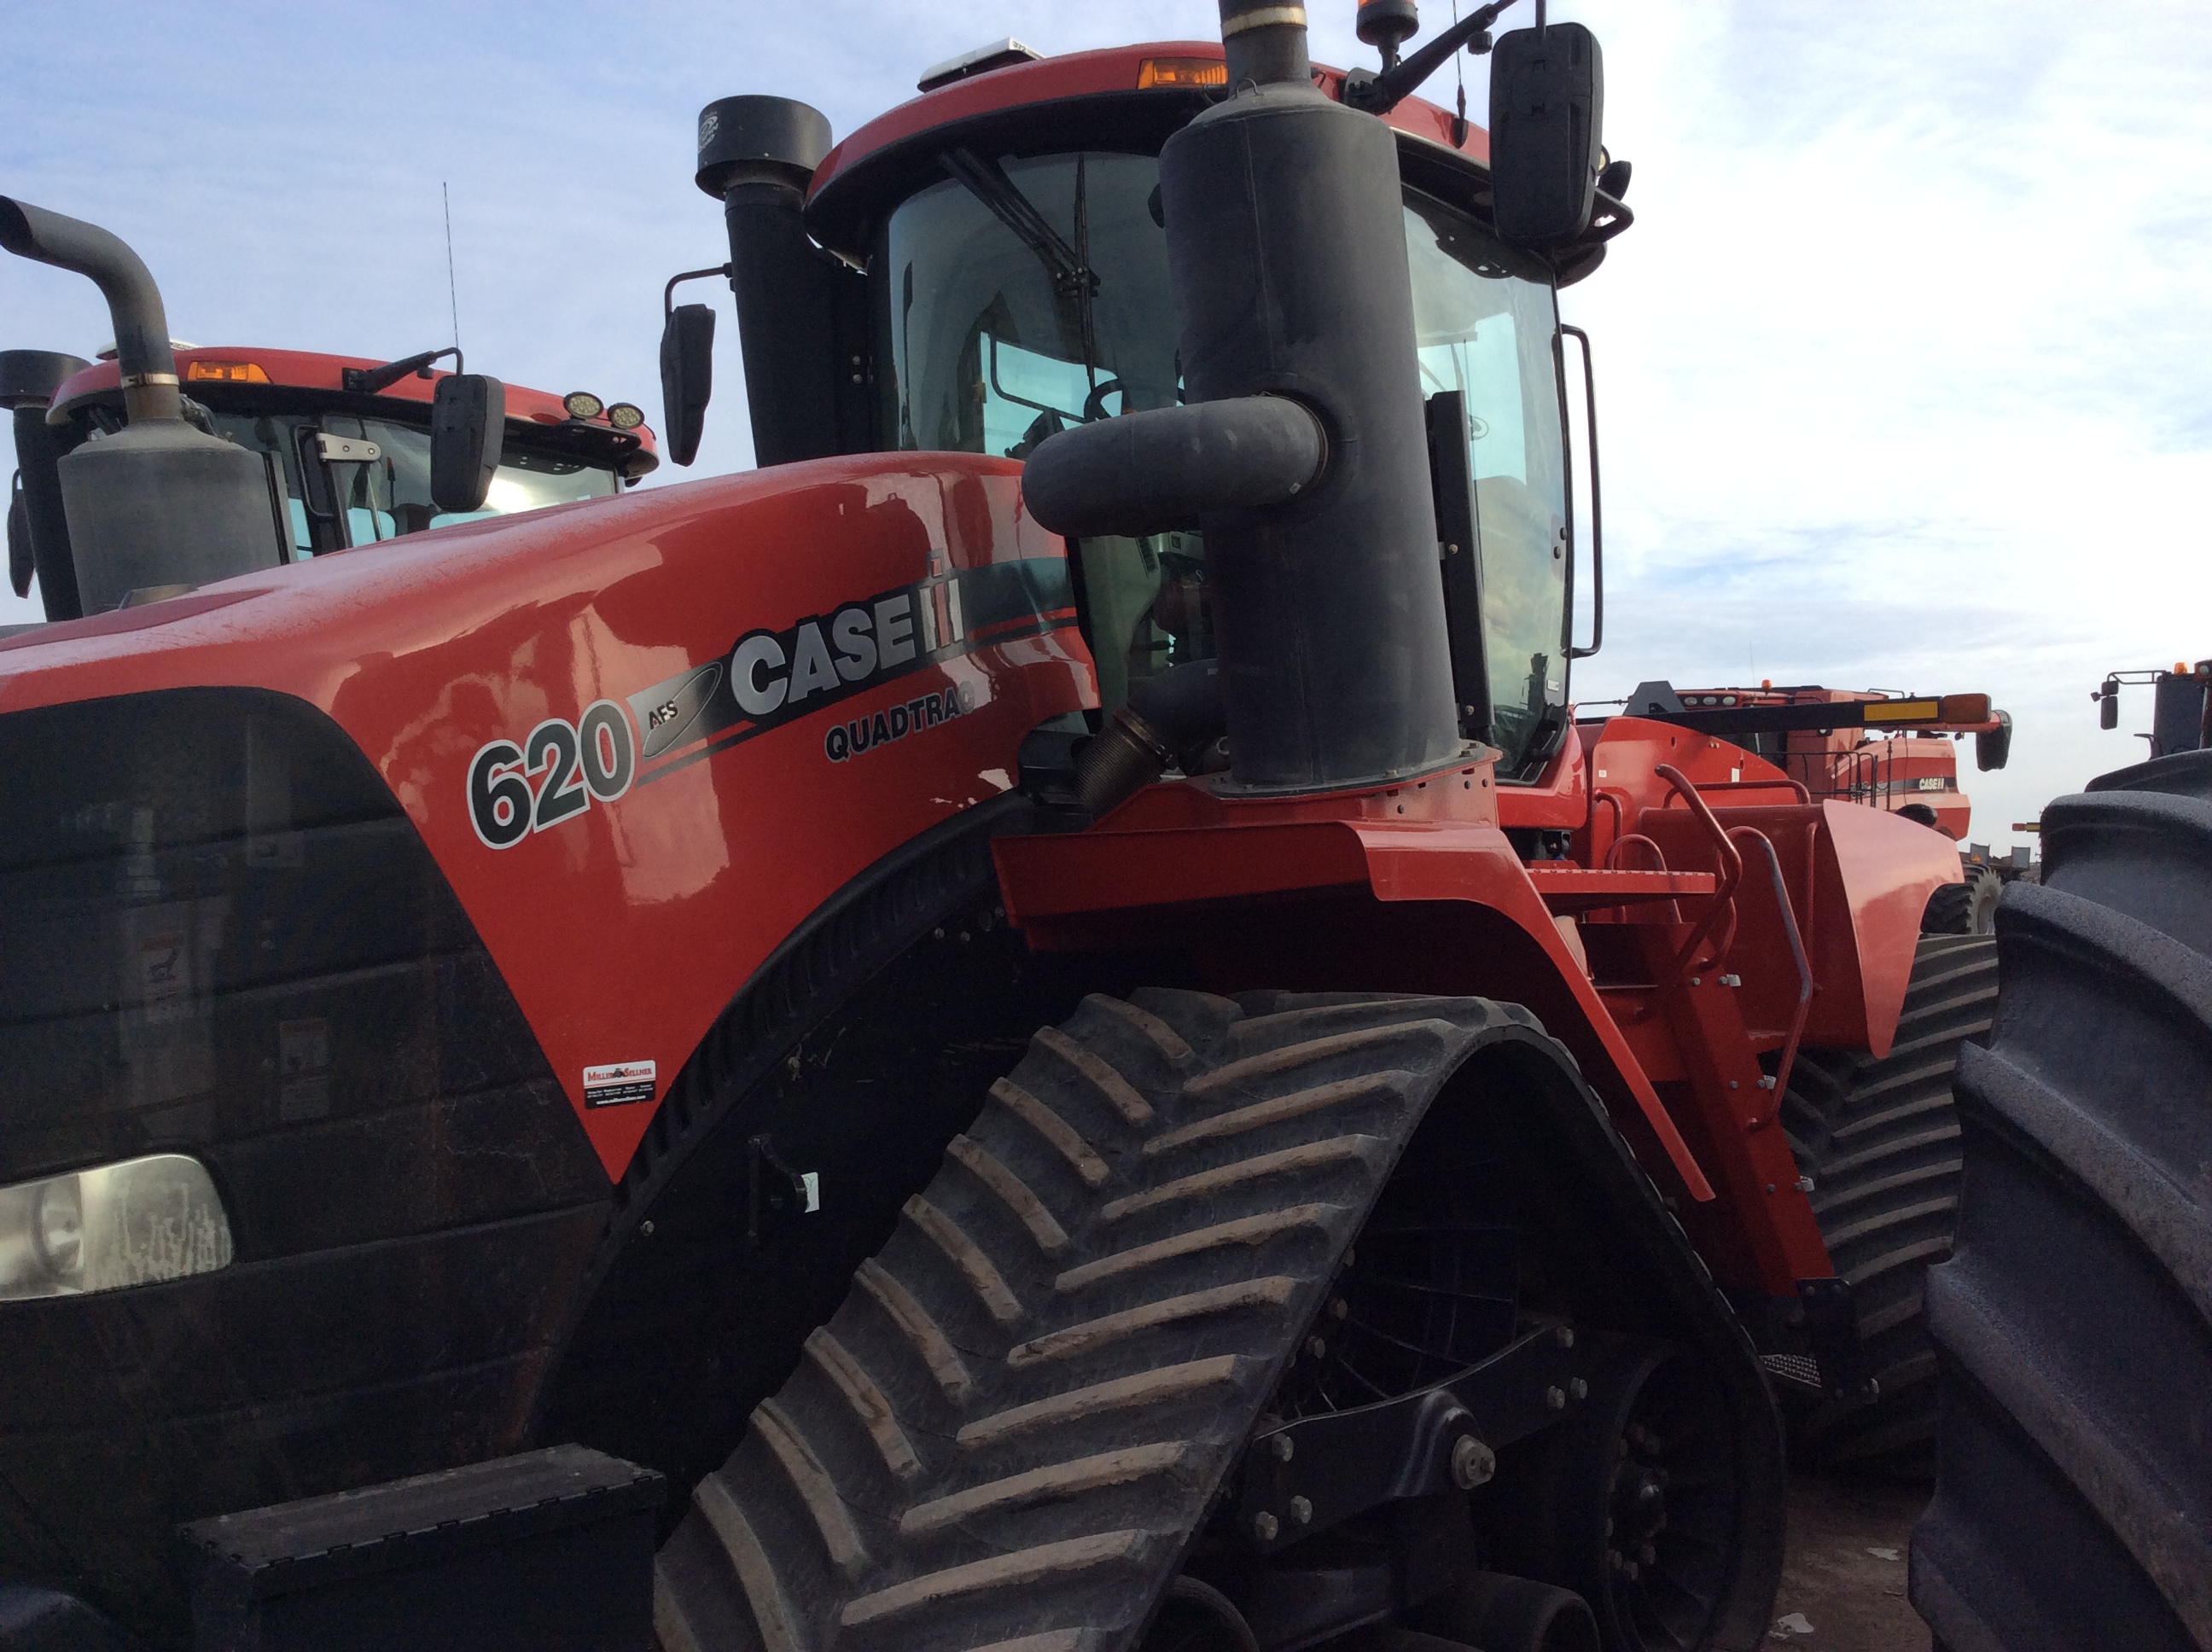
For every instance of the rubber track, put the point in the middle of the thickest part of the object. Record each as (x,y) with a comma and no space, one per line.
(2074,1492)
(1879,1138)
(1010,1432)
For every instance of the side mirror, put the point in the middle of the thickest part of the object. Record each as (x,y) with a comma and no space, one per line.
(1993,745)
(468,433)
(687,378)
(20,565)
(1546,106)
(2108,704)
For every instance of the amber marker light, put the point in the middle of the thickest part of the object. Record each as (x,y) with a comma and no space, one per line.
(1181,71)
(225,373)
(625,415)
(582,404)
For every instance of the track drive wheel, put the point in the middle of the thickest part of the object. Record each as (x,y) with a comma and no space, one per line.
(2074,1485)
(1967,909)
(1632,1503)
(1020,1431)
(1880,1140)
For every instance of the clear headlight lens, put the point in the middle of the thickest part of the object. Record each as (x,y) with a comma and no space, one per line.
(139,1222)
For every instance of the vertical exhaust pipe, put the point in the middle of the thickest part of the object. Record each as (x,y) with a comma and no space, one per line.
(1287,251)
(159,504)
(756,155)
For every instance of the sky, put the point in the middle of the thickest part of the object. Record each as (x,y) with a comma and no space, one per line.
(1902,372)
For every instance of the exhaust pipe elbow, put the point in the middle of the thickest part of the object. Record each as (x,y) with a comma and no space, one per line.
(1170,719)
(134,302)
(1165,468)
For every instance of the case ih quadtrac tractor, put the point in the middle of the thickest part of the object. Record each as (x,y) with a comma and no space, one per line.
(348,447)
(537,980)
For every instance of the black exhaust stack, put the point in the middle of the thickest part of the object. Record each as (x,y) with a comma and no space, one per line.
(797,307)
(1288,255)
(159,503)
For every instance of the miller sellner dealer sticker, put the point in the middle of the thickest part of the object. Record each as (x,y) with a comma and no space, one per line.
(618,1082)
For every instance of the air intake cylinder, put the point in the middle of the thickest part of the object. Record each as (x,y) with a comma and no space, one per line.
(1287,248)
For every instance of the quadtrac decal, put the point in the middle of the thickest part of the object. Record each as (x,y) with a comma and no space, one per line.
(555,774)
(865,733)
(770,677)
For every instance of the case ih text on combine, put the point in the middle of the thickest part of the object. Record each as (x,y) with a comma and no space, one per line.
(533,983)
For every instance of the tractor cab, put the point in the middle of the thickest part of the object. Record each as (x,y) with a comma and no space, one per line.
(992,261)
(346,446)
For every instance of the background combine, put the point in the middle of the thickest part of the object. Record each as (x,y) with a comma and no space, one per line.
(534,982)
(1885,751)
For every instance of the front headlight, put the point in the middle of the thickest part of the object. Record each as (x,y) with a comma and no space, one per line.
(139,1222)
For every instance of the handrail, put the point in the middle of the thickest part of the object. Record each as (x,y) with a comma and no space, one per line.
(1731,868)
(1798,954)
(1600,794)
(1613,854)
(1724,895)
(1798,787)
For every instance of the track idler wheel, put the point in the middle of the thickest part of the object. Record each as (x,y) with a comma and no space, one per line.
(1635,1504)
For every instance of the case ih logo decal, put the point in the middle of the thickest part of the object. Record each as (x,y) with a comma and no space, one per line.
(559,771)
(770,677)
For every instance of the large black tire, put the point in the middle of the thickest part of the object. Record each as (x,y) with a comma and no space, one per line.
(1965,908)
(2074,1496)
(1012,1434)
(1880,1139)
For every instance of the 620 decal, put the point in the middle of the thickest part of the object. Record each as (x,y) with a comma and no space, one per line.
(515,790)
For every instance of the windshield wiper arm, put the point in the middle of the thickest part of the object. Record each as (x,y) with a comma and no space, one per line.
(988,184)
(374,381)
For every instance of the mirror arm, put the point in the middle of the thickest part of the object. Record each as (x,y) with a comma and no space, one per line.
(1394,85)
(668,292)
(1597,507)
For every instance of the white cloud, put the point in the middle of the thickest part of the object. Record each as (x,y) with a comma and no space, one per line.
(1900,370)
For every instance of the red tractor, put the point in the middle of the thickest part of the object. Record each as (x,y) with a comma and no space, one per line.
(535,981)
(346,445)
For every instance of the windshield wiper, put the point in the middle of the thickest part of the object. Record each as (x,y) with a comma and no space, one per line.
(1071,274)
(989,183)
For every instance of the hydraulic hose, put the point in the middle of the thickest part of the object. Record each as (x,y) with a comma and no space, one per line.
(134,303)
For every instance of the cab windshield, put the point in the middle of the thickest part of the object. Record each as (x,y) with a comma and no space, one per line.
(334,504)
(1024,295)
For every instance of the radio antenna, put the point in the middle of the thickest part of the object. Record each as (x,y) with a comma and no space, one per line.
(452,293)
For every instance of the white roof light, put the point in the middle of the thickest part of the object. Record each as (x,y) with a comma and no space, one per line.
(999,54)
